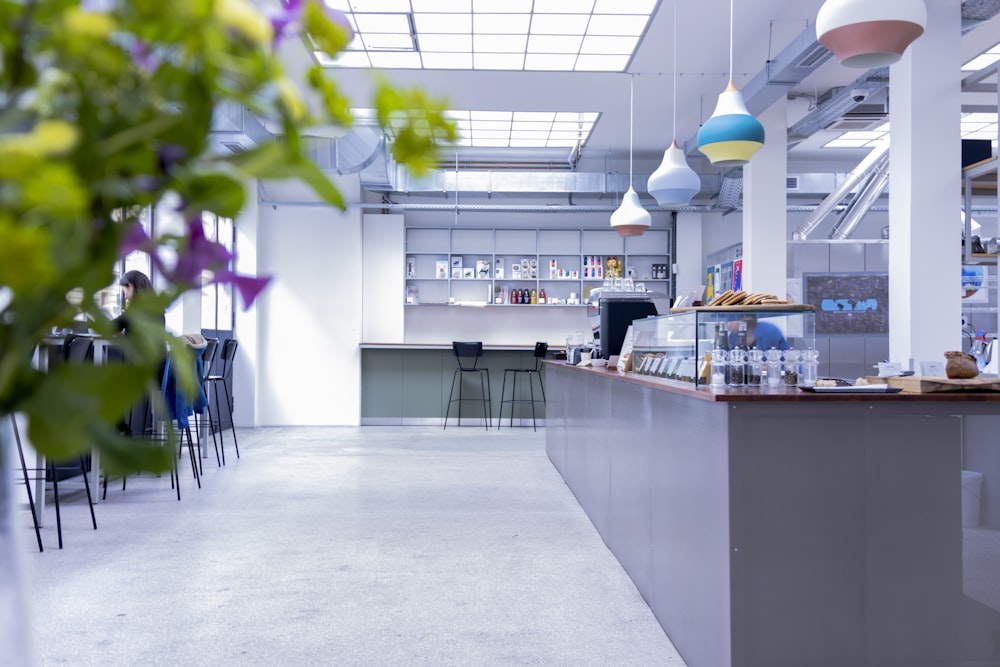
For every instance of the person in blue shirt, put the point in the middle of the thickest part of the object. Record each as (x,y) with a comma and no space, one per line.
(762,335)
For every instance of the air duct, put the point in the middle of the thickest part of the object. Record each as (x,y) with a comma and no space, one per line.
(876,159)
(861,204)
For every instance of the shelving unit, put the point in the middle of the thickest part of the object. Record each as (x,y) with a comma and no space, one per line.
(465,252)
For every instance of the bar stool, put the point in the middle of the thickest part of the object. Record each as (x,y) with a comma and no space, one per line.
(541,349)
(215,381)
(468,355)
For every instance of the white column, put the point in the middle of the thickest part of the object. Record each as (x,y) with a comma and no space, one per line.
(765,225)
(689,262)
(924,192)
(246,368)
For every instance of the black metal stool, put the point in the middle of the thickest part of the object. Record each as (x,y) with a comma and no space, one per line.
(468,355)
(541,349)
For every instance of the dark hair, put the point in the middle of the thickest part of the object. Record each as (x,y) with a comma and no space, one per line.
(138,280)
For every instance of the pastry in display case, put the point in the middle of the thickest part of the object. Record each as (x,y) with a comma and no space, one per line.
(753,346)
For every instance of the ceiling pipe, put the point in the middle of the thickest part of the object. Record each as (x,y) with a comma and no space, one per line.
(872,161)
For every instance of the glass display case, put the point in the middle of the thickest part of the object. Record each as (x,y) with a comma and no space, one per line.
(714,345)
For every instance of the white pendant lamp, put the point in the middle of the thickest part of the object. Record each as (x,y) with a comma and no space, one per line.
(630,219)
(731,136)
(674,182)
(868,34)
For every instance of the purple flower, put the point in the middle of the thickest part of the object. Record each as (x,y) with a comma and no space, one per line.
(144,57)
(200,255)
(249,287)
(134,238)
(287,22)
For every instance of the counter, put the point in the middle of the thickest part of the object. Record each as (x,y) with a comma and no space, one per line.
(408,384)
(776,527)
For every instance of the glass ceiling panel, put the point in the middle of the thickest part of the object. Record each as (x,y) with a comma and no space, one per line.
(583,35)
(523,129)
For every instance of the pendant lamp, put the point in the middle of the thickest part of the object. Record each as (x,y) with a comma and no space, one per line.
(630,219)
(867,34)
(731,136)
(674,182)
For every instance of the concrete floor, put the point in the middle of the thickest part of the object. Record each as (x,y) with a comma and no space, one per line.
(341,546)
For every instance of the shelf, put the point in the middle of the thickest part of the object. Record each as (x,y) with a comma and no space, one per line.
(570,250)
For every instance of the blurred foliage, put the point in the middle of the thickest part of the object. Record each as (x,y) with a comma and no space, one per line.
(106,106)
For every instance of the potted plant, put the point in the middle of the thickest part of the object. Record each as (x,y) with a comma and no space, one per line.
(105,107)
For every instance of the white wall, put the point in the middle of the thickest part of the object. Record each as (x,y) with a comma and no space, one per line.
(309,319)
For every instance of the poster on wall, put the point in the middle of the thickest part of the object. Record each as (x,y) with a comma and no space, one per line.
(738,275)
(727,276)
(717,279)
(974,285)
(849,303)
(709,286)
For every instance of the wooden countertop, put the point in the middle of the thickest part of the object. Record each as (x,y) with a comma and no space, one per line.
(777,394)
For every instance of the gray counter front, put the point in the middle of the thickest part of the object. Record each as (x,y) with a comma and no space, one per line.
(781,529)
(408,384)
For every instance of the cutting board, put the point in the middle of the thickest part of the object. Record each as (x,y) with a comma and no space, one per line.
(914,384)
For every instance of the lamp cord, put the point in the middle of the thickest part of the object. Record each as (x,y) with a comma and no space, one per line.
(730,40)
(631,104)
(674,138)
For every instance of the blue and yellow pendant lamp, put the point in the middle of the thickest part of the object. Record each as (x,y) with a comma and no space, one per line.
(731,136)
(674,183)
(867,34)
(630,218)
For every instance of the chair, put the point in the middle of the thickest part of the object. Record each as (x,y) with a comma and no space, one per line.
(142,422)
(223,378)
(207,359)
(541,349)
(27,482)
(468,355)
(75,350)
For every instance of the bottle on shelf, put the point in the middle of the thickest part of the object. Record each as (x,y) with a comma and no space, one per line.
(738,358)
(534,297)
(720,355)
(515,296)
(541,296)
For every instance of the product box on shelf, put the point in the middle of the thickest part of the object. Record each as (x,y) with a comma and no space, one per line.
(441,269)
(483,268)
(498,268)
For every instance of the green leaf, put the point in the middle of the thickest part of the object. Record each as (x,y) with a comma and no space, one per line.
(273,162)
(218,192)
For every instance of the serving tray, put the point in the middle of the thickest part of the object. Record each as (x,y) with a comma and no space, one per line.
(860,389)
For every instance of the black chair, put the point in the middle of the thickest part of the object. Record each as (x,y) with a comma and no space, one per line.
(541,349)
(27,482)
(140,422)
(75,350)
(222,379)
(207,359)
(468,355)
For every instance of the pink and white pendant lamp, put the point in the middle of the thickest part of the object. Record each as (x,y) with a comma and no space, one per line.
(630,218)
(870,33)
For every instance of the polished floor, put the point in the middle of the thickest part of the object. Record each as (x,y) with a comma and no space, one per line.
(341,546)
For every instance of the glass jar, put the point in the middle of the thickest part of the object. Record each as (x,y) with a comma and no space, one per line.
(719,363)
(810,368)
(792,367)
(737,368)
(754,367)
(773,367)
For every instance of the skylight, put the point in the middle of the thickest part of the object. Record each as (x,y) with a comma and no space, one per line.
(973,126)
(513,129)
(521,35)
(983,60)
